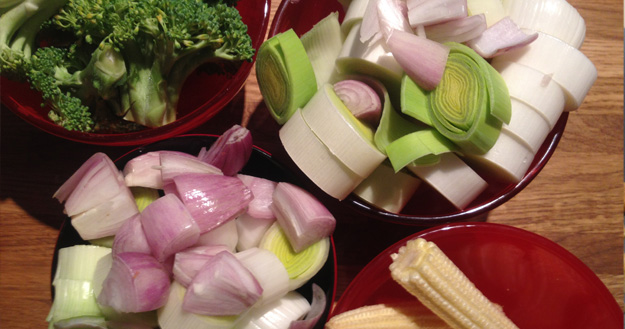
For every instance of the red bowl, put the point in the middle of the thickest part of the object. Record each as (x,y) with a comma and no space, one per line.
(538,283)
(202,96)
(427,207)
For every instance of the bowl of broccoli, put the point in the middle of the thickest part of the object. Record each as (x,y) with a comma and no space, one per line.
(125,72)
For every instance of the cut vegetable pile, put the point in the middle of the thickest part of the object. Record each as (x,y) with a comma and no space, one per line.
(451,93)
(187,241)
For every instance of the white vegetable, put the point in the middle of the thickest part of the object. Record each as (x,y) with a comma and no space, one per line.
(388,190)
(268,270)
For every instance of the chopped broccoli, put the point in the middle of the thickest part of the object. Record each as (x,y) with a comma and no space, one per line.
(158,43)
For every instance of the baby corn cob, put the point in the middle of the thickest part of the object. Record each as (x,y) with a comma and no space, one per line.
(426,272)
(387,316)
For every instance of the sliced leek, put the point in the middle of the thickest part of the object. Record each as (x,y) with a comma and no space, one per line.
(300,266)
(144,196)
(279,314)
(566,65)
(388,190)
(422,147)
(428,274)
(557,18)
(508,160)
(471,102)
(322,43)
(534,88)
(285,75)
(528,125)
(315,160)
(452,178)
(345,136)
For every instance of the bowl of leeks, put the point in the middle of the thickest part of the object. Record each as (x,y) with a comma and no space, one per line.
(305,295)
(409,167)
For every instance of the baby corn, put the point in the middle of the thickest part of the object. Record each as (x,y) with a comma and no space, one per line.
(411,315)
(426,272)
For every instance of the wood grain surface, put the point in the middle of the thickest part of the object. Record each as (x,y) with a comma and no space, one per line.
(576,201)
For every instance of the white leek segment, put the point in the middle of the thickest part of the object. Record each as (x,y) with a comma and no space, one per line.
(353,15)
(509,159)
(345,136)
(303,217)
(528,125)
(371,59)
(566,65)
(168,227)
(493,10)
(429,12)
(424,271)
(301,266)
(251,230)
(388,190)
(534,88)
(278,314)
(457,30)
(172,316)
(285,75)
(501,37)
(268,270)
(79,262)
(452,178)
(315,160)
(85,322)
(557,18)
(322,43)
(222,287)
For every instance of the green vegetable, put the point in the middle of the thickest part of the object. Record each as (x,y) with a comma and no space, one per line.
(127,58)
(285,75)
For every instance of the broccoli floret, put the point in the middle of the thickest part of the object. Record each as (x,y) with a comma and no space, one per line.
(72,86)
(21,21)
(162,42)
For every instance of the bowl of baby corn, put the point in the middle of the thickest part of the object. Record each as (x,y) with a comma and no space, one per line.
(476,275)
(425,137)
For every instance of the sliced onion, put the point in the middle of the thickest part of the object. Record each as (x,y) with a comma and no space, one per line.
(189,261)
(457,30)
(423,60)
(278,314)
(168,226)
(136,283)
(251,230)
(317,307)
(231,151)
(268,270)
(429,12)
(304,219)
(501,37)
(226,234)
(172,164)
(85,170)
(262,189)
(144,170)
(361,100)
(223,286)
(212,199)
(131,238)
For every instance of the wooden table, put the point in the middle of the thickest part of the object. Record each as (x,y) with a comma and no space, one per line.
(576,201)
